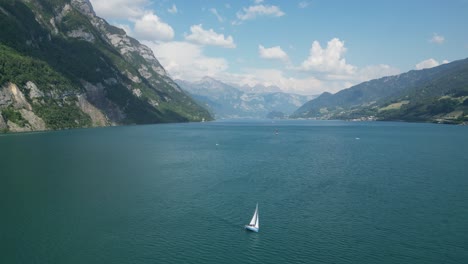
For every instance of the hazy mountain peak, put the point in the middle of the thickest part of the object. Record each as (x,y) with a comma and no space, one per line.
(208,79)
(260,88)
(227,101)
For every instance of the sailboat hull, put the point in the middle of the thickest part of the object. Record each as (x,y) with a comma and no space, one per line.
(251,228)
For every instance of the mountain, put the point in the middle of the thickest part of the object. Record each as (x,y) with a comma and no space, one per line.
(61,66)
(438,95)
(227,101)
(259,88)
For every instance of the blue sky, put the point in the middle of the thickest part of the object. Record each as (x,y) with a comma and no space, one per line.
(303,46)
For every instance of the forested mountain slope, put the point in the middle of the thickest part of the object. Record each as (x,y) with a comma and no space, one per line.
(61,66)
(438,94)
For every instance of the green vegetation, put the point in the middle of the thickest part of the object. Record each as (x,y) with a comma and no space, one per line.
(10,114)
(441,106)
(74,20)
(62,116)
(394,106)
(33,49)
(19,69)
(433,95)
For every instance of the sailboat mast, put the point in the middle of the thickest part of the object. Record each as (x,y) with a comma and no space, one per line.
(256,217)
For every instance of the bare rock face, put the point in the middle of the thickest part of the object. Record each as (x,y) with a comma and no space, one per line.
(34,92)
(132,77)
(97,117)
(3,125)
(5,97)
(65,10)
(112,79)
(137,92)
(13,127)
(133,50)
(20,99)
(84,6)
(96,95)
(126,45)
(35,123)
(11,95)
(81,34)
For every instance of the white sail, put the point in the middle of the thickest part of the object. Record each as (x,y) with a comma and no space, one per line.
(254,221)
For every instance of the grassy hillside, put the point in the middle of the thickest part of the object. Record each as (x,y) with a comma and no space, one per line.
(432,95)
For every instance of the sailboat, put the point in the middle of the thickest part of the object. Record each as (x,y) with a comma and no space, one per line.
(254,225)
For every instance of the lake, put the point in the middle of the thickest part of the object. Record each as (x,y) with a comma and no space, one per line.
(328,192)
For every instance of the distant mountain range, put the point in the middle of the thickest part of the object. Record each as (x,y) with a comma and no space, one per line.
(439,94)
(61,66)
(225,101)
(258,88)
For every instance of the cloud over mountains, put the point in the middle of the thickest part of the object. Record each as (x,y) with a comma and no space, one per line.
(264,42)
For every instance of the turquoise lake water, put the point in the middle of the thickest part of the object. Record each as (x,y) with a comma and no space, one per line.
(328,192)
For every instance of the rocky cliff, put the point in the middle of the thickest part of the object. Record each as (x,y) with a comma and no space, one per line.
(61,66)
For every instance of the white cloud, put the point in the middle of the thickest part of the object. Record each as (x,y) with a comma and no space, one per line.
(173,9)
(146,25)
(324,70)
(303,4)
(429,63)
(150,27)
(274,77)
(309,84)
(272,53)
(186,61)
(328,60)
(436,38)
(426,64)
(217,15)
(209,37)
(259,10)
(329,66)
(374,72)
(119,9)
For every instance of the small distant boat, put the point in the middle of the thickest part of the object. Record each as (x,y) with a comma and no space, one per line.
(254,224)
